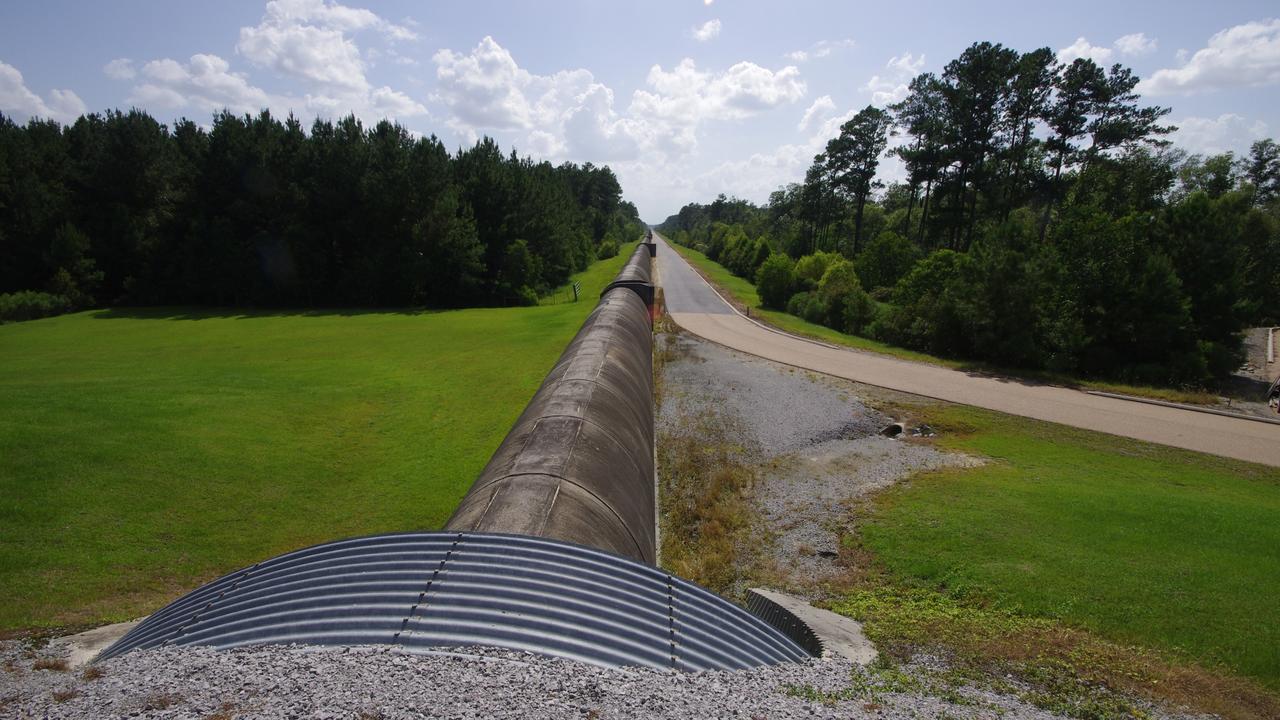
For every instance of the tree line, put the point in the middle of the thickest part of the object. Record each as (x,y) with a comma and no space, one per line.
(117,208)
(1045,221)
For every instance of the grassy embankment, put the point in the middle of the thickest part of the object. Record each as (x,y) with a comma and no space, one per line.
(1072,559)
(743,293)
(1073,553)
(143,452)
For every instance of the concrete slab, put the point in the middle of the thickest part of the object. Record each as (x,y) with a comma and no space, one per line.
(839,635)
(85,646)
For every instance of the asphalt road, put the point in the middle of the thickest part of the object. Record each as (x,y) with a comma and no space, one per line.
(696,307)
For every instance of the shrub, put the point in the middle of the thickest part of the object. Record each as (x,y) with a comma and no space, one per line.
(797,303)
(846,306)
(763,250)
(776,280)
(885,260)
(928,301)
(810,268)
(608,248)
(31,305)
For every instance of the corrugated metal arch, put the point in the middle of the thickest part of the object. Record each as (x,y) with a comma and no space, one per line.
(449,589)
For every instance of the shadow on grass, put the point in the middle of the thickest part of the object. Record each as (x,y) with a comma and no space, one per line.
(208,313)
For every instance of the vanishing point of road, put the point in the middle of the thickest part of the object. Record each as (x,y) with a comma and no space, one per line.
(697,308)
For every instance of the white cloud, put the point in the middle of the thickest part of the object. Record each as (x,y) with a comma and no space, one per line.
(1210,136)
(1246,55)
(325,13)
(322,56)
(1136,44)
(680,100)
(570,115)
(205,82)
(826,47)
(564,115)
(1082,49)
(17,101)
(120,69)
(821,109)
(311,40)
(820,49)
(893,85)
(306,40)
(394,104)
(706,31)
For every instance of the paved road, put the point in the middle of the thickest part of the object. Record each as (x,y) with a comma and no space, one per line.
(694,306)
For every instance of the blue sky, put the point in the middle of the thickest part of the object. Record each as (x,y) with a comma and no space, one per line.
(684,99)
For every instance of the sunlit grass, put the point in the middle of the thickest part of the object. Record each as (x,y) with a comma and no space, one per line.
(144,452)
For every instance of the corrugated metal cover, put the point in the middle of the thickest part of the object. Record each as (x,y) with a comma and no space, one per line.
(448,589)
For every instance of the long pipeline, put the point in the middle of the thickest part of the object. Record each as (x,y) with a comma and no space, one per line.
(578,464)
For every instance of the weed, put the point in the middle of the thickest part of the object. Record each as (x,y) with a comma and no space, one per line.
(48,663)
(61,696)
(1064,670)
(225,711)
(705,481)
(160,701)
(92,672)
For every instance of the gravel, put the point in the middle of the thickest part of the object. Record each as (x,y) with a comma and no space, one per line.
(782,409)
(815,438)
(382,682)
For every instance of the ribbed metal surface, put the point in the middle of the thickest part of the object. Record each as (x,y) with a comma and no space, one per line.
(448,589)
(578,464)
(785,622)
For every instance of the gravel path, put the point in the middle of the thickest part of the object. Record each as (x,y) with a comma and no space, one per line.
(379,682)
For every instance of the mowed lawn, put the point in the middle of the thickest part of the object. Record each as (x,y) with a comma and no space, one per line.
(145,452)
(1144,544)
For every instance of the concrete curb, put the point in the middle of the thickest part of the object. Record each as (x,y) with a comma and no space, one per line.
(839,635)
(1181,406)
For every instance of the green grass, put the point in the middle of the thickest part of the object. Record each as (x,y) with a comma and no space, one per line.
(1141,544)
(144,452)
(744,293)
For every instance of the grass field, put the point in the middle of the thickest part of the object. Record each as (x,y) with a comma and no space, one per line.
(744,293)
(1142,544)
(1133,543)
(144,452)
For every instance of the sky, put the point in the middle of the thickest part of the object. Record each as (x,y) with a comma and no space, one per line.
(684,100)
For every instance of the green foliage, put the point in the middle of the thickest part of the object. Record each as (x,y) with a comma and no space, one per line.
(885,260)
(846,306)
(607,249)
(31,305)
(117,208)
(776,280)
(810,268)
(928,303)
(809,306)
(1084,245)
